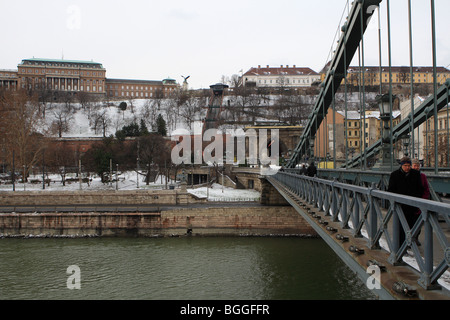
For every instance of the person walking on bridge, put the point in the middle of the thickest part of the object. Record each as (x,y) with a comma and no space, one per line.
(426,189)
(312,170)
(423,178)
(406,182)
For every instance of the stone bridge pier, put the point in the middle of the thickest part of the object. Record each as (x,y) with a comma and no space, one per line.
(270,195)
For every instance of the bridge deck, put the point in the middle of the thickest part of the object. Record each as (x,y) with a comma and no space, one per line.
(359,262)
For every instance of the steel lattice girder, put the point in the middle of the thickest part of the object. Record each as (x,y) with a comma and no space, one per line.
(352,33)
(421,114)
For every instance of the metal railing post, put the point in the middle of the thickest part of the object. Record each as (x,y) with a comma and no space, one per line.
(333,198)
(365,209)
(396,225)
(373,227)
(428,230)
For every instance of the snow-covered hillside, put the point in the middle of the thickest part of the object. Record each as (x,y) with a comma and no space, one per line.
(98,119)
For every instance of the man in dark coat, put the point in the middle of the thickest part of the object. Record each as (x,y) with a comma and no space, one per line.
(407,182)
(312,170)
(303,170)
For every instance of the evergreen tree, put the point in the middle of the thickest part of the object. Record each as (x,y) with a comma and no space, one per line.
(101,162)
(131,130)
(143,131)
(123,106)
(161,125)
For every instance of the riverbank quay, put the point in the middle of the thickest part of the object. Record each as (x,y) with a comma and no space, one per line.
(149,213)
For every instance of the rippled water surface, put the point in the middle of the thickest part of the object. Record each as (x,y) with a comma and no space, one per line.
(176,268)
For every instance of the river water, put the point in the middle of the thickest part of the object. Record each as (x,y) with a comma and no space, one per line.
(187,268)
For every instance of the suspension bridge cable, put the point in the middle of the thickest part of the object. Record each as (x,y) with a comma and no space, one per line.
(363,94)
(390,77)
(433,34)
(345,96)
(338,31)
(379,50)
(360,119)
(380,65)
(447,125)
(411,114)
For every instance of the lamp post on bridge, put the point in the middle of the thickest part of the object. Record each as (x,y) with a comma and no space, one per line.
(311,148)
(406,141)
(384,104)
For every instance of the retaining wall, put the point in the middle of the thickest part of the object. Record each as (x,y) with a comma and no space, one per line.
(225,221)
(43,198)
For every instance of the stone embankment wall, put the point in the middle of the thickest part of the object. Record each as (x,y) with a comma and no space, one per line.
(171,218)
(42,198)
(225,221)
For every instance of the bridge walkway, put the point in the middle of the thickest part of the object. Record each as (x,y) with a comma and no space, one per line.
(355,252)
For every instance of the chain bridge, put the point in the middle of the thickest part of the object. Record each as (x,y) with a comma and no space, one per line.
(348,204)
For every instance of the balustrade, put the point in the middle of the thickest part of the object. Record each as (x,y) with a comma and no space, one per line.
(378,216)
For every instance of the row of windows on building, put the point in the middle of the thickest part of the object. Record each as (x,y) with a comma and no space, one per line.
(397,78)
(131,94)
(135,91)
(81,73)
(64,84)
(74,87)
(442,124)
(48,80)
(299,81)
(110,87)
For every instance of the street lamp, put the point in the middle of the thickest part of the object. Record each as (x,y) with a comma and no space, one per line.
(311,146)
(117,177)
(384,104)
(406,140)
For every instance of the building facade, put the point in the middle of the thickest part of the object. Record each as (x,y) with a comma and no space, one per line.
(419,139)
(8,79)
(283,76)
(330,134)
(443,142)
(343,131)
(357,141)
(139,89)
(62,75)
(74,76)
(400,75)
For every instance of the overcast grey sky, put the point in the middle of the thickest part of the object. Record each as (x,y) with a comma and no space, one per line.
(152,40)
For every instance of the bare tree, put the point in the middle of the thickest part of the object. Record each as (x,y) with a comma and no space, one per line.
(191,109)
(84,99)
(158,98)
(404,75)
(60,157)
(63,117)
(23,127)
(170,112)
(154,152)
(149,114)
(100,120)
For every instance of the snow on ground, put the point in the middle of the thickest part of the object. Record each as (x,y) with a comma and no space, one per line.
(83,119)
(127,181)
(409,258)
(82,122)
(217,193)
